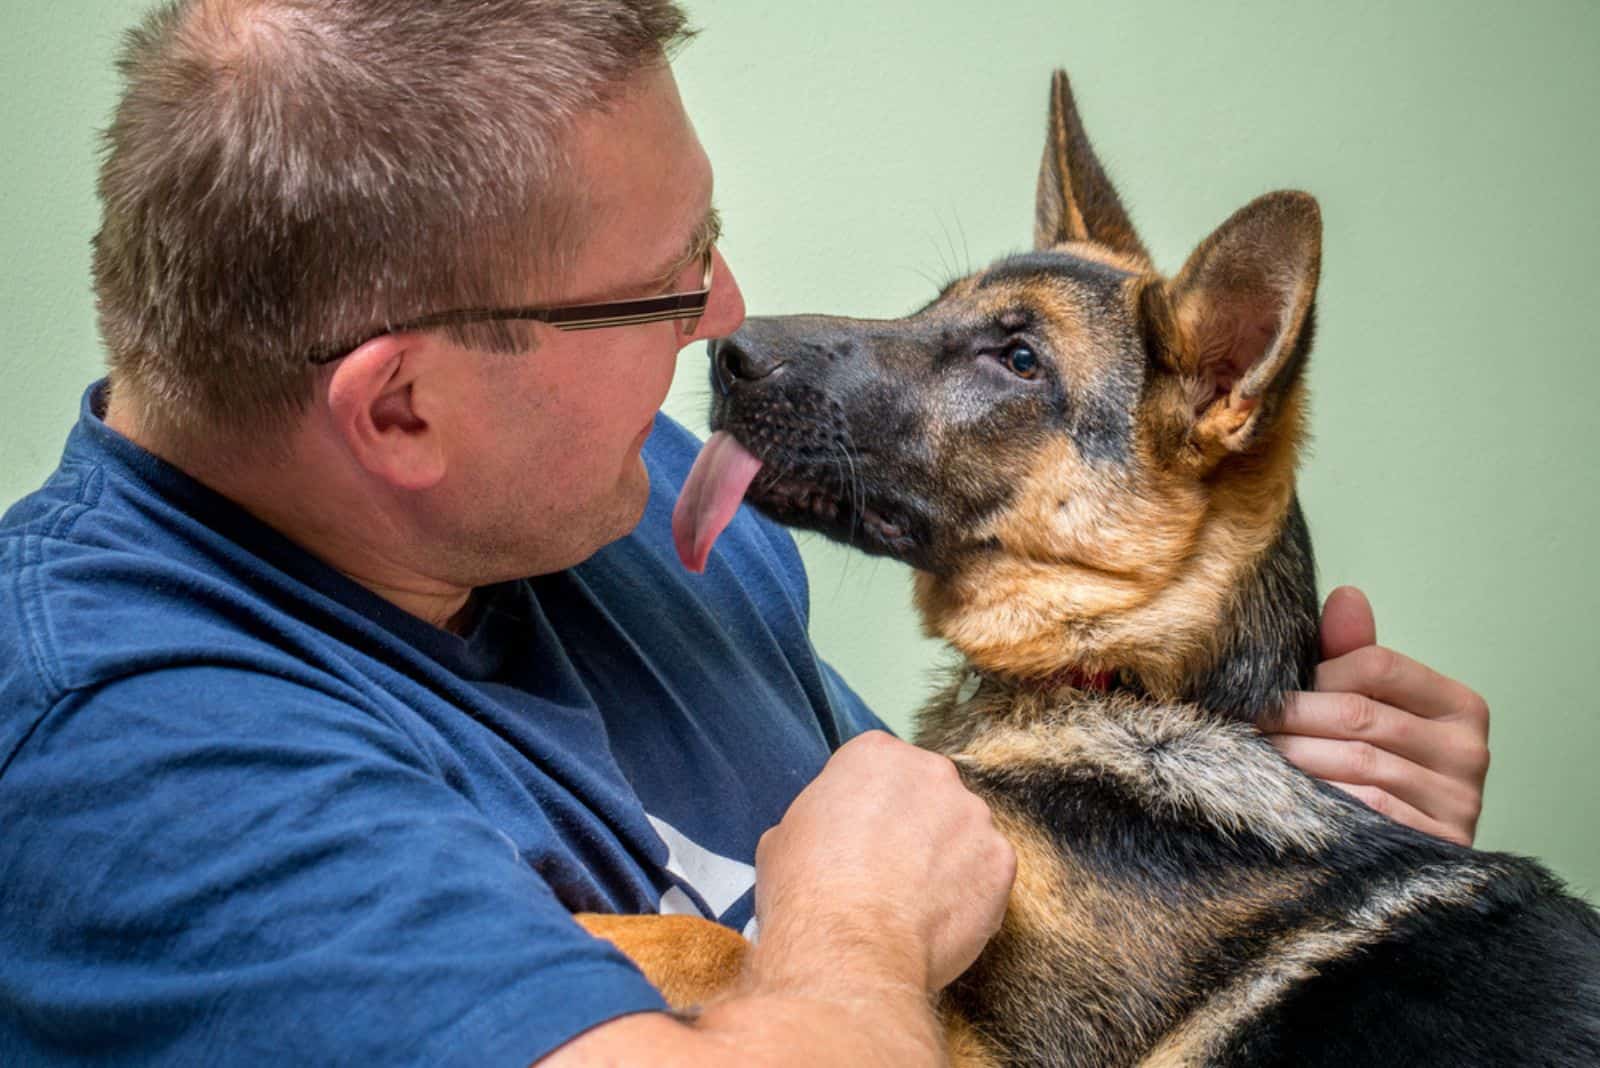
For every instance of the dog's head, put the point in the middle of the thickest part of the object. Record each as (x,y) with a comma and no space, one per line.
(1081,458)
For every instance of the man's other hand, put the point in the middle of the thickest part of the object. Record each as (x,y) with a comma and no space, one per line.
(1409,742)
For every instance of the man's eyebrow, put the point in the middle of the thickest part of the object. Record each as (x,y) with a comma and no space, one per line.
(706,234)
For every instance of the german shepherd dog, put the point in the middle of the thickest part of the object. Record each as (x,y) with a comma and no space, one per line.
(1091,468)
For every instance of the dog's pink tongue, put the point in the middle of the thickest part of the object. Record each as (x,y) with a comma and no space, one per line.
(711,495)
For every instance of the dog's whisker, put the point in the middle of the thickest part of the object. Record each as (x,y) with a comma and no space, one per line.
(932,279)
(855,491)
(949,246)
(839,458)
(946,267)
(966,250)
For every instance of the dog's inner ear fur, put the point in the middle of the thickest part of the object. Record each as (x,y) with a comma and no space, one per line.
(1234,325)
(1076,201)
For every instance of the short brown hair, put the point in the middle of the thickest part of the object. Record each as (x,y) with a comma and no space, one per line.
(281,175)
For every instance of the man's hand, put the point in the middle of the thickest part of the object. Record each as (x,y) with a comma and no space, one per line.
(888,857)
(1404,739)
(884,881)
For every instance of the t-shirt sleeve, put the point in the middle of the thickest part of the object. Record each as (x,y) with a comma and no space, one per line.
(211,866)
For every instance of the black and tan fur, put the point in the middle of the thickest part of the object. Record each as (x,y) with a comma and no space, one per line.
(1126,509)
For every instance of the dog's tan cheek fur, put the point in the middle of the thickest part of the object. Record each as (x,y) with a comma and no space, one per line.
(1081,546)
(1101,572)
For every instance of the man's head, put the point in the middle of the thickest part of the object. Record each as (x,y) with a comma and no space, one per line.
(282,173)
(286,177)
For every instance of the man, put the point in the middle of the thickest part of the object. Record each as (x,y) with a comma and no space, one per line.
(295,758)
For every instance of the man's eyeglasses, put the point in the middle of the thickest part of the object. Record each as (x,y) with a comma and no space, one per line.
(687,307)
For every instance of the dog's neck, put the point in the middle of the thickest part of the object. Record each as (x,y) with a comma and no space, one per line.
(1062,685)
(1265,644)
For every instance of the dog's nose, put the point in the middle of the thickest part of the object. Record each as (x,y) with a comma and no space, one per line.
(733,361)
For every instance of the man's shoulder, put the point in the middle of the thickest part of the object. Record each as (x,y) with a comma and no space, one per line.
(111,570)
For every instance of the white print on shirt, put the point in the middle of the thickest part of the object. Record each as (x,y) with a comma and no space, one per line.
(719,881)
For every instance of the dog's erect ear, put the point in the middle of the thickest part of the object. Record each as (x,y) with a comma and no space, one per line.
(1238,316)
(1075,200)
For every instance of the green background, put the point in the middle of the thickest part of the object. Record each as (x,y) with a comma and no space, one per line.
(866,152)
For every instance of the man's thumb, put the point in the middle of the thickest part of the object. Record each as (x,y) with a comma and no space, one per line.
(1347,623)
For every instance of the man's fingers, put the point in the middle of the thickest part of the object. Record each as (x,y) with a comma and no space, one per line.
(1347,623)
(1387,804)
(1440,797)
(1404,738)
(1454,749)
(1396,679)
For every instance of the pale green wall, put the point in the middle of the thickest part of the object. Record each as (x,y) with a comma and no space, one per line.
(866,151)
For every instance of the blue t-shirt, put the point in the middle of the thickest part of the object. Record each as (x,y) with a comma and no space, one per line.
(252,812)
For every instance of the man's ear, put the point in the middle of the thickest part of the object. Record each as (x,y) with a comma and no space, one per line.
(379,413)
(1075,199)
(1237,320)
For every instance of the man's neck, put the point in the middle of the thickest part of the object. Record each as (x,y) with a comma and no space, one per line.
(265,487)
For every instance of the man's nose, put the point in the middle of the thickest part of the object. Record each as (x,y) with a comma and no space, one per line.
(724,306)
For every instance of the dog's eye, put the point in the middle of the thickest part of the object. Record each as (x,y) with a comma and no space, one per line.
(1021,361)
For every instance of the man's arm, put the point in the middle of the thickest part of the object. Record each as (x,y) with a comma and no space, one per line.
(1406,740)
(881,885)
(859,1022)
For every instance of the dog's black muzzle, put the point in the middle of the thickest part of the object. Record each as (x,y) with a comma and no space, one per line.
(734,360)
(811,397)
